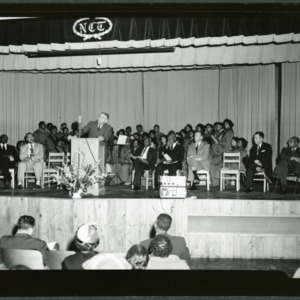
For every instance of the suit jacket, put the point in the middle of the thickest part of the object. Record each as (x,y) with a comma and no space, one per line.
(38,152)
(151,156)
(203,152)
(93,131)
(179,247)
(24,241)
(287,153)
(264,156)
(10,150)
(177,153)
(40,136)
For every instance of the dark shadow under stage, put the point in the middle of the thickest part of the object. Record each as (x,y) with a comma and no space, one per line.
(125,192)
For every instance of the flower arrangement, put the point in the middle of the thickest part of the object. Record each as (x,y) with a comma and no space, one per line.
(77,178)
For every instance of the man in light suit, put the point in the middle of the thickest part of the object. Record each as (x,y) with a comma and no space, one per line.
(31,156)
(99,129)
(198,158)
(162,225)
(8,159)
(145,161)
(289,162)
(260,159)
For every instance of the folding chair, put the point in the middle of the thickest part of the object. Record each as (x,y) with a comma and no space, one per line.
(148,175)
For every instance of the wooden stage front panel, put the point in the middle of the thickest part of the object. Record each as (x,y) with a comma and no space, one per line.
(213,228)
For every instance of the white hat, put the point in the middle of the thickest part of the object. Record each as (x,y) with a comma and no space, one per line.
(107,261)
(87,233)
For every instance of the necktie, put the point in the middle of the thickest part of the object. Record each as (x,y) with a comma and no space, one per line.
(31,150)
(99,126)
(258,147)
(143,151)
(197,148)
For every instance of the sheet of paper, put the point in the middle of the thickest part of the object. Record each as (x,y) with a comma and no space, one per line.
(167,157)
(122,139)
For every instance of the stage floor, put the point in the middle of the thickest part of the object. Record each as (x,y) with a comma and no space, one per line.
(125,192)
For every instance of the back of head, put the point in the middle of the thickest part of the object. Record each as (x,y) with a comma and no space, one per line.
(138,257)
(161,246)
(25,223)
(164,222)
(86,238)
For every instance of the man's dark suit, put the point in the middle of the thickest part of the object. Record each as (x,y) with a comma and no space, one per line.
(177,155)
(286,165)
(5,163)
(141,166)
(264,155)
(24,241)
(179,247)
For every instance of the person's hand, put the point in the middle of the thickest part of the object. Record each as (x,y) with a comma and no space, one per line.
(258,162)
(11,158)
(297,159)
(258,169)
(27,159)
(100,138)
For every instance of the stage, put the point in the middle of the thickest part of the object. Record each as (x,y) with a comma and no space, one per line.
(216,224)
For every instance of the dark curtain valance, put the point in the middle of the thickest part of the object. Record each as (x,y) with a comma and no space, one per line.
(47,31)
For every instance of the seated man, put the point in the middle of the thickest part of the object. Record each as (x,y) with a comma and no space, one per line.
(198,158)
(8,159)
(162,225)
(146,161)
(260,159)
(289,162)
(23,238)
(31,156)
(41,134)
(160,250)
(173,156)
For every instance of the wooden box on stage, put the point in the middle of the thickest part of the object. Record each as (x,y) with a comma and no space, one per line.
(89,151)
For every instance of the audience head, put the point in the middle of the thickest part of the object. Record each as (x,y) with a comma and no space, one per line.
(20,144)
(53,130)
(163,223)
(258,137)
(198,136)
(145,135)
(188,128)
(183,133)
(163,139)
(139,128)
(138,257)
(234,142)
(62,126)
(179,140)
(48,126)
(114,141)
(42,125)
(293,142)
(74,126)
(66,131)
(192,134)
(3,139)
(121,132)
(209,128)
(172,137)
(26,224)
(103,118)
(228,124)
(218,126)
(29,138)
(86,237)
(135,143)
(153,143)
(59,143)
(128,130)
(160,246)
(156,128)
(136,136)
(152,134)
(200,127)
(242,143)
(146,142)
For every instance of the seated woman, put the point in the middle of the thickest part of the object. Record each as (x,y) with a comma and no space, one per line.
(86,240)
(138,257)
(112,159)
(161,149)
(124,163)
(160,250)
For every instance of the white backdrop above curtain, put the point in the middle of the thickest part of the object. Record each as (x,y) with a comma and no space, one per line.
(182,58)
(290,102)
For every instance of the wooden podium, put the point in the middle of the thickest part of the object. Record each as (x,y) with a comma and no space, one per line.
(89,151)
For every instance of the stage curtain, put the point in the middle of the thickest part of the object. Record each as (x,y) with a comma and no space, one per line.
(247,97)
(290,102)
(29,98)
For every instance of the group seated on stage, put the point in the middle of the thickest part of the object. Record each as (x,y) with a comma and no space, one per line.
(217,137)
(163,251)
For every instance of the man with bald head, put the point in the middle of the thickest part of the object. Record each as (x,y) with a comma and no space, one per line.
(99,129)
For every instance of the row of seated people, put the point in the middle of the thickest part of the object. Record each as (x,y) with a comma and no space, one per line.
(163,251)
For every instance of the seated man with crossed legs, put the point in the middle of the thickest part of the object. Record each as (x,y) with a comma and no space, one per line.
(31,156)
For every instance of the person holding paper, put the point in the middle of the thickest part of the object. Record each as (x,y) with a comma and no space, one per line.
(198,158)
(172,158)
(144,161)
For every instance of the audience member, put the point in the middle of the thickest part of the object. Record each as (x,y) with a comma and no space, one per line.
(8,159)
(75,129)
(239,145)
(138,257)
(179,248)
(86,241)
(188,128)
(152,134)
(200,127)
(158,134)
(48,126)
(260,159)
(60,133)
(31,156)
(139,129)
(145,161)
(106,261)
(124,163)
(120,132)
(289,163)
(19,145)
(51,141)
(172,159)
(128,131)
(198,158)
(135,147)
(23,238)
(66,140)
(41,134)
(160,250)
